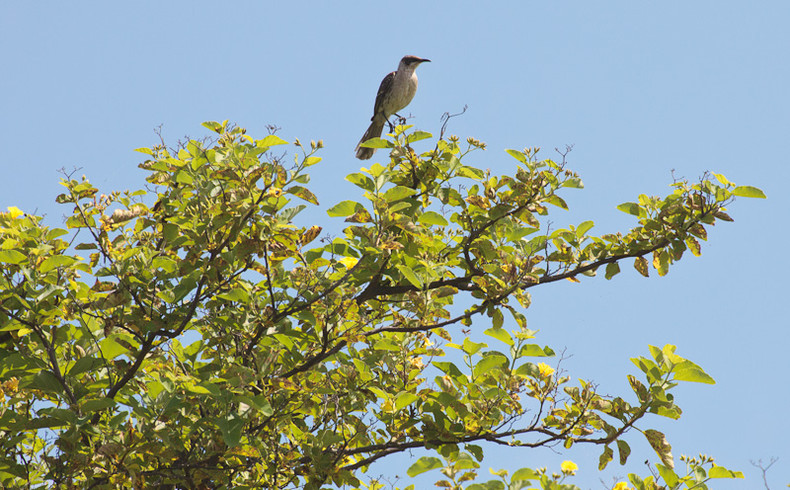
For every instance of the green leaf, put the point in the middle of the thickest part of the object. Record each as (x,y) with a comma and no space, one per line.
(527,370)
(97,404)
(722,179)
(472,348)
(61,414)
(497,318)
(310,161)
(184,178)
(83,364)
(489,485)
(583,228)
(11,256)
(404,399)
(184,287)
(236,294)
(197,389)
(606,456)
(748,191)
(432,218)
(111,349)
(46,381)
(271,140)
(56,233)
(377,143)
(448,368)
(231,430)
(397,193)
(56,261)
(471,173)
(534,350)
(410,276)
(361,180)
(213,126)
(688,371)
(426,463)
(476,451)
(387,344)
(722,472)
(500,334)
(612,269)
(302,193)
(518,155)
(417,136)
(45,423)
(165,263)
(630,208)
(378,171)
(534,245)
(524,474)
(344,208)
(624,451)
(557,201)
(489,362)
(673,412)
(668,474)
(170,231)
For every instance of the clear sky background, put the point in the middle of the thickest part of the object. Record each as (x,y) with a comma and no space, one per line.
(639,88)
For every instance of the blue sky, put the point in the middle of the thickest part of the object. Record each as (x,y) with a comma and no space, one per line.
(638,88)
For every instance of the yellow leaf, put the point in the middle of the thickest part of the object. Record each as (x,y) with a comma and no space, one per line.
(661,262)
(310,234)
(640,264)
(693,245)
(391,245)
(660,446)
(478,201)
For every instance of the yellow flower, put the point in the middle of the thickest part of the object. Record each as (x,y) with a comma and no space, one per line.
(12,385)
(621,486)
(545,370)
(349,262)
(568,467)
(416,362)
(15,212)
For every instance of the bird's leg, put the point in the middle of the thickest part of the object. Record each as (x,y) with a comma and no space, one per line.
(401,120)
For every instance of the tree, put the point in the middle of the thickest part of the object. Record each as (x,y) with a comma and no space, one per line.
(207,341)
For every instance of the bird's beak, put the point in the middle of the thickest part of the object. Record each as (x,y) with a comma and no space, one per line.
(423,60)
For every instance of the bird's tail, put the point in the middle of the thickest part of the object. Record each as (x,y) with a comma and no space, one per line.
(374,131)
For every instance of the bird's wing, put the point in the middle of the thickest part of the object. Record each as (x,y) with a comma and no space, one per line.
(383,89)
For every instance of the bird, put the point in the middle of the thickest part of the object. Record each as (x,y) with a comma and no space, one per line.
(395,92)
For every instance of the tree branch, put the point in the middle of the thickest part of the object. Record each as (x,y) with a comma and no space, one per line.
(53,359)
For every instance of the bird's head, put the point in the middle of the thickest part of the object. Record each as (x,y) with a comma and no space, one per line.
(412,62)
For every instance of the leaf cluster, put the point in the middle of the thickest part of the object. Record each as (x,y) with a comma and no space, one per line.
(191,333)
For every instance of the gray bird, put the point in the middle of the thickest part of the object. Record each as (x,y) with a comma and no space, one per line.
(395,92)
